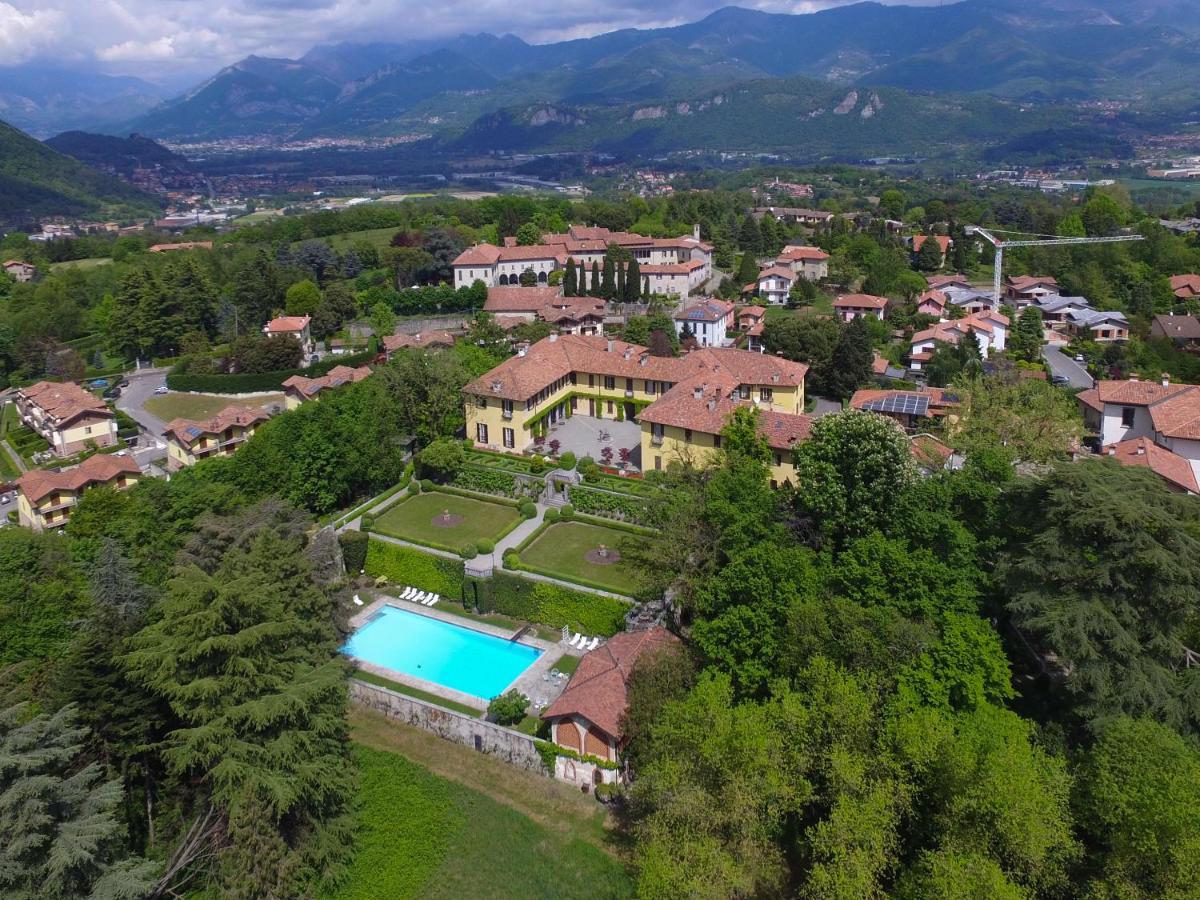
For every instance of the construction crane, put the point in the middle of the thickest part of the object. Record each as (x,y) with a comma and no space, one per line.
(1042,240)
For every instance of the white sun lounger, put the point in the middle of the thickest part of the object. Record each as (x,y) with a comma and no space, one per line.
(430,600)
(575,641)
(357,600)
(407,593)
(594,644)
(418,597)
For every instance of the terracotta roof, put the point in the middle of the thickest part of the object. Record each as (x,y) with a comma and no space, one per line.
(938,281)
(939,399)
(1162,462)
(529,252)
(860,301)
(1178,416)
(943,242)
(928,451)
(335,377)
(791,253)
(879,365)
(99,468)
(64,401)
(519,299)
(934,296)
(1091,399)
(598,690)
(479,255)
(1185,285)
(682,268)
(287,324)
(422,339)
(777,272)
(783,430)
(1137,393)
(188,431)
(1186,328)
(572,309)
(1024,282)
(706,310)
(953,331)
(756,312)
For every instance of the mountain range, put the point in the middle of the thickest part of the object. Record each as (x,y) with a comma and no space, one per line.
(43,100)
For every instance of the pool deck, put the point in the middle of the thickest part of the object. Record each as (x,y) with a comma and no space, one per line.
(535,682)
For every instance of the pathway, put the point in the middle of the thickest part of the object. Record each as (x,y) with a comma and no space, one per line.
(134,396)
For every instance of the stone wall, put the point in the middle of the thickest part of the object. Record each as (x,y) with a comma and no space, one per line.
(511,746)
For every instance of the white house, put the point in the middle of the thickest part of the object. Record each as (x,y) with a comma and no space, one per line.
(849,307)
(774,284)
(294,327)
(708,321)
(990,330)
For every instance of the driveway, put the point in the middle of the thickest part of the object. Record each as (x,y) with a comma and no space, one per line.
(1062,364)
(133,399)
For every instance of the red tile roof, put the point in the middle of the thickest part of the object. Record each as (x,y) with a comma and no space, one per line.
(519,299)
(598,690)
(756,312)
(860,301)
(879,365)
(1091,399)
(1162,462)
(64,401)
(1137,393)
(941,281)
(479,255)
(335,377)
(799,253)
(777,272)
(422,339)
(943,242)
(938,401)
(287,324)
(783,430)
(928,451)
(682,268)
(1185,285)
(1025,282)
(100,468)
(1178,416)
(188,431)
(707,309)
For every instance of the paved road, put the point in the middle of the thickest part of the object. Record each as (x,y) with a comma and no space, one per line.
(133,398)
(1061,364)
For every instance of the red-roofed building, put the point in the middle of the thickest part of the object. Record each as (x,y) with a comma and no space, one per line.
(990,330)
(1024,289)
(190,442)
(46,497)
(944,244)
(939,282)
(294,327)
(20,271)
(298,389)
(849,307)
(708,320)
(421,340)
(1172,468)
(1186,287)
(932,303)
(70,418)
(810,262)
(774,284)
(587,716)
(912,409)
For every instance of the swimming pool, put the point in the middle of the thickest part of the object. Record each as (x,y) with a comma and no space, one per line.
(450,655)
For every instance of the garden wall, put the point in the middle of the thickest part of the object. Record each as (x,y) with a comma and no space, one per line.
(511,746)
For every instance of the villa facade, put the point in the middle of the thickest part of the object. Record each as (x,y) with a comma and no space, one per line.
(45,498)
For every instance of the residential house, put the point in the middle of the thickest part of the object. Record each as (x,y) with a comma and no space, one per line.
(1182,331)
(295,328)
(674,279)
(680,403)
(1056,309)
(968,299)
(20,271)
(913,410)
(1102,326)
(938,282)
(749,316)
(190,442)
(70,418)
(574,315)
(933,303)
(1021,290)
(943,241)
(1186,287)
(849,307)
(298,389)
(421,340)
(46,497)
(795,214)
(520,301)
(773,285)
(931,455)
(1175,470)
(810,262)
(990,330)
(708,321)
(586,716)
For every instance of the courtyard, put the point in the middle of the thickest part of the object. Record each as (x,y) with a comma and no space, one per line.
(583,553)
(588,436)
(447,521)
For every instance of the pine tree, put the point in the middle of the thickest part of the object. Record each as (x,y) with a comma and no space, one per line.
(594,284)
(747,269)
(270,733)
(1026,340)
(749,236)
(633,282)
(570,280)
(608,285)
(929,257)
(851,364)
(769,235)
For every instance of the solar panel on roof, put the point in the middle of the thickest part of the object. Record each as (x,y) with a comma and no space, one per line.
(947,395)
(193,431)
(908,404)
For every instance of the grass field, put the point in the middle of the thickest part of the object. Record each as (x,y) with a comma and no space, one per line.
(561,548)
(380,237)
(201,406)
(1184,187)
(441,821)
(412,519)
(89,263)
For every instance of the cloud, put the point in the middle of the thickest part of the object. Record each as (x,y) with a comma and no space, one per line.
(24,35)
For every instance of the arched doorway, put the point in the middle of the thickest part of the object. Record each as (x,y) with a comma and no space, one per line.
(504,280)
(541,277)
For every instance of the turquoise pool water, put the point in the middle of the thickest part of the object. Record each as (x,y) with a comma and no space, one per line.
(450,655)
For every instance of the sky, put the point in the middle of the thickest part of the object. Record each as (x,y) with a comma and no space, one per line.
(172,41)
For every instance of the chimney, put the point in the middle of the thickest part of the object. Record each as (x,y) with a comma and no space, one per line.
(553,336)
(1166,379)
(628,353)
(696,231)
(610,346)
(496,386)
(698,391)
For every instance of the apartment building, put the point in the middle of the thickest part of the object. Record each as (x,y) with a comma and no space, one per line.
(810,262)
(680,403)
(708,321)
(70,418)
(46,497)
(190,442)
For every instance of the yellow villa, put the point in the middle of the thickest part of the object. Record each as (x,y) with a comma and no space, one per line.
(680,403)
(46,498)
(69,417)
(190,442)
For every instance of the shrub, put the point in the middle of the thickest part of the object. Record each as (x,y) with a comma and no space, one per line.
(555,606)
(486,481)
(610,505)
(567,461)
(404,565)
(367,523)
(441,460)
(468,551)
(511,558)
(528,509)
(415,487)
(585,461)
(468,444)
(354,550)
(567,512)
(426,484)
(551,515)
(483,545)
(537,465)
(508,708)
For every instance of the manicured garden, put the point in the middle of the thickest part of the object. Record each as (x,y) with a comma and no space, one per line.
(572,551)
(202,406)
(421,835)
(423,519)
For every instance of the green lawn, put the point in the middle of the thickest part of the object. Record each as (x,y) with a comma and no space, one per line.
(412,520)
(89,263)
(380,237)
(201,406)
(560,550)
(480,831)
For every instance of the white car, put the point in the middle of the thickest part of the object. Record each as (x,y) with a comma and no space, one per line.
(161,389)
(1078,357)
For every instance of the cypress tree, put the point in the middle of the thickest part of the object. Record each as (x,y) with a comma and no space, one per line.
(570,284)
(747,270)
(619,294)
(749,237)
(608,286)
(633,282)
(594,285)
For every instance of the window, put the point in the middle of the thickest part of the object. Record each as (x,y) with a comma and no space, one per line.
(506,408)
(656,432)
(650,386)
(687,435)
(779,459)
(717,441)
(610,407)
(87,429)
(481,434)
(744,391)
(510,438)
(658,463)
(481,402)
(1127,414)
(610,383)
(591,380)
(766,394)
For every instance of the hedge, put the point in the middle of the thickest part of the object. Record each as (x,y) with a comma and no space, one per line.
(406,566)
(609,505)
(486,481)
(354,550)
(245,383)
(553,605)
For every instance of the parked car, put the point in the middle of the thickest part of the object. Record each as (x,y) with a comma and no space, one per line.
(112,393)
(1078,357)
(98,383)
(161,389)
(123,383)
(1060,379)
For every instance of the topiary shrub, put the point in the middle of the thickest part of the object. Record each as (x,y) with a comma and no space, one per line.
(537,465)
(567,461)
(508,708)
(511,558)
(354,550)
(468,551)
(468,444)
(528,509)
(483,545)
(551,514)
(366,523)
(567,512)
(426,484)
(415,487)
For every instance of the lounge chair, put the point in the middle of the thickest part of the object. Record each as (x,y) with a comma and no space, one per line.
(573,641)
(357,600)
(407,593)
(594,644)
(433,599)
(418,597)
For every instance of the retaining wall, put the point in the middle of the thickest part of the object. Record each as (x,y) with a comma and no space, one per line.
(511,746)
